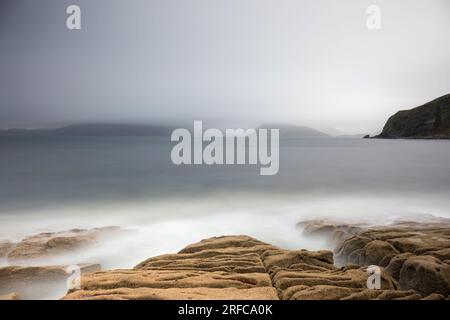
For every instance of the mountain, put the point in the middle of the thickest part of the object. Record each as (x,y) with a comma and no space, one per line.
(92,130)
(429,121)
(287,130)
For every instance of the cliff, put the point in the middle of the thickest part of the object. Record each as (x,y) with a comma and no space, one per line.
(429,121)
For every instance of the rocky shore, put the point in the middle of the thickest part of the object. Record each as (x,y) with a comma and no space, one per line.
(415,254)
(29,273)
(240,267)
(48,245)
(413,258)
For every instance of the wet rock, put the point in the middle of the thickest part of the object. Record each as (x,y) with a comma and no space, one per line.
(234,267)
(5,247)
(10,296)
(351,250)
(33,282)
(396,264)
(46,245)
(240,254)
(415,252)
(434,296)
(426,275)
(216,268)
(200,293)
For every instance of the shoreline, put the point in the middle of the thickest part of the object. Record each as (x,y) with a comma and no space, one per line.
(413,257)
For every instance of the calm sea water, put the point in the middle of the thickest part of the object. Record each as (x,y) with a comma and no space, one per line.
(49,184)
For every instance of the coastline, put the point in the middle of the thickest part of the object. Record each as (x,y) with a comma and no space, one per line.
(412,255)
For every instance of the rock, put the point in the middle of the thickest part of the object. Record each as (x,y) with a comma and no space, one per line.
(329,228)
(10,296)
(443,254)
(434,296)
(396,264)
(312,275)
(239,254)
(50,244)
(216,268)
(351,250)
(33,282)
(426,275)
(384,295)
(415,253)
(5,247)
(234,267)
(200,293)
(431,120)
(141,284)
(377,250)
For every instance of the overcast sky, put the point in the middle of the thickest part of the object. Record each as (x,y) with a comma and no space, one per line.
(227,62)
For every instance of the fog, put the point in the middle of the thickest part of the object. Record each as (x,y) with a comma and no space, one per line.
(230,62)
(160,227)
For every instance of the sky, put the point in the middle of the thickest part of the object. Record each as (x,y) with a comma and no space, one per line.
(229,63)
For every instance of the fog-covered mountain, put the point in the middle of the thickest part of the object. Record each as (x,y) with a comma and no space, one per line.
(93,130)
(288,130)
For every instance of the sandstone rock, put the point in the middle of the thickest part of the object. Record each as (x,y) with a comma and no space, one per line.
(10,296)
(235,267)
(367,294)
(426,275)
(351,250)
(216,268)
(200,293)
(5,247)
(434,296)
(239,254)
(242,242)
(443,254)
(45,245)
(34,282)
(396,264)
(376,250)
(312,275)
(424,243)
(330,229)
(153,282)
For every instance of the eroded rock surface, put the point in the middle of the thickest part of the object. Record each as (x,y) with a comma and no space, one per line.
(37,282)
(217,268)
(416,254)
(10,296)
(237,267)
(5,247)
(46,245)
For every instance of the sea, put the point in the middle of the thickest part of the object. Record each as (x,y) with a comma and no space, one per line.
(50,184)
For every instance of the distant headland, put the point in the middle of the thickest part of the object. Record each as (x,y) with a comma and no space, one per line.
(429,121)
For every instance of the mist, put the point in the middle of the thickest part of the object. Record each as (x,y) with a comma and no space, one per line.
(229,62)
